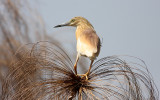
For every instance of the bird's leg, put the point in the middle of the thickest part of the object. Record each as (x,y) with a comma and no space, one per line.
(86,74)
(75,65)
(90,67)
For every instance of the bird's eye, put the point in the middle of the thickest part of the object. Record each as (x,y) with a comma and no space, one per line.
(72,20)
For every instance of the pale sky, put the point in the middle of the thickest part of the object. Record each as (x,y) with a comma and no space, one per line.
(128,27)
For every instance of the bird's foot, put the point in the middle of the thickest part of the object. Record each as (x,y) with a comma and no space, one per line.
(83,76)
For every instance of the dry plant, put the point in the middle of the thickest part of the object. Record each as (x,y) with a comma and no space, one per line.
(44,71)
(19,24)
(53,78)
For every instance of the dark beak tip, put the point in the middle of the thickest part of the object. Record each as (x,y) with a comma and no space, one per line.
(61,25)
(57,26)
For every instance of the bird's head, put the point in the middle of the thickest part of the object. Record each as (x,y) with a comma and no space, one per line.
(76,21)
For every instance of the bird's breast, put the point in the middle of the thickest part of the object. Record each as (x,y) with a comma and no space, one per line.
(87,43)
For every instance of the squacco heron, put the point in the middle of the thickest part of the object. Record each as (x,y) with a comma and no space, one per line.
(88,42)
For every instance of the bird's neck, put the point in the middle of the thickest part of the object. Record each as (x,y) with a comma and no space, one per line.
(81,28)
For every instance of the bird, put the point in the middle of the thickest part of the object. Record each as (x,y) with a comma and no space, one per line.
(88,42)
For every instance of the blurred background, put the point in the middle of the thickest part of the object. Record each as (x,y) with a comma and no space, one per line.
(126,27)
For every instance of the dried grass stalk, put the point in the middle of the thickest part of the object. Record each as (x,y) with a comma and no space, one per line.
(54,78)
(20,24)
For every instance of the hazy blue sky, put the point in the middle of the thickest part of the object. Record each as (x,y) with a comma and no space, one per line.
(128,27)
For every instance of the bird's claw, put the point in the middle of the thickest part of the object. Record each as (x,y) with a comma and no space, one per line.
(83,76)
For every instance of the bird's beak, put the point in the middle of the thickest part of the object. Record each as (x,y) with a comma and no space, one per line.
(61,25)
